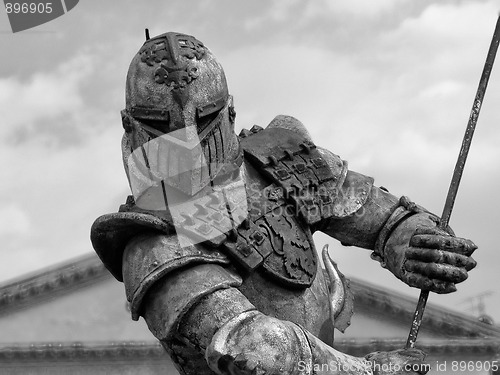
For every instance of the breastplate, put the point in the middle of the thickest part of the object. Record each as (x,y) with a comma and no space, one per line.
(273,237)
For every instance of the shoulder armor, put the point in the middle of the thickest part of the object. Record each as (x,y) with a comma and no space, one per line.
(110,234)
(149,257)
(293,162)
(290,123)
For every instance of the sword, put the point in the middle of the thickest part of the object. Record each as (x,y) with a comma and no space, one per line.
(457,173)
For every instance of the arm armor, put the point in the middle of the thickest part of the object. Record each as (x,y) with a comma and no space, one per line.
(201,318)
(362,227)
(258,344)
(150,256)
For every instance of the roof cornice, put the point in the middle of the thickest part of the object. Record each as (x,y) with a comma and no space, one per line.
(402,308)
(50,283)
(134,350)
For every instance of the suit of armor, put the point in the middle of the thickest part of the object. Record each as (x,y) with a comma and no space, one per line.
(224,269)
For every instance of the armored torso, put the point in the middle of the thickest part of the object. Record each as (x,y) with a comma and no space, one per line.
(290,187)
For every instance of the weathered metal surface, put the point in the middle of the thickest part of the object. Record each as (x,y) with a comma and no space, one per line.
(147,258)
(215,247)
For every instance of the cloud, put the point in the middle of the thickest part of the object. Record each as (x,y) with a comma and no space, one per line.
(441,89)
(355,8)
(51,189)
(43,98)
(13,221)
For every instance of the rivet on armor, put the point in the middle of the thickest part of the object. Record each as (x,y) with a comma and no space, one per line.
(306,146)
(318,162)
(258,237)
(289,154)
(282,174)
(299,167)
(245,250)
(272,160)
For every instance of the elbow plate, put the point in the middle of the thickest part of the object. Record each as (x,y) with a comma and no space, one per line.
(256,343)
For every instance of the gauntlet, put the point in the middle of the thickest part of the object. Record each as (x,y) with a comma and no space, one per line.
(418,252)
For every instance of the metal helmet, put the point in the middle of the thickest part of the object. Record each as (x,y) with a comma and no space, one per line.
(179,117)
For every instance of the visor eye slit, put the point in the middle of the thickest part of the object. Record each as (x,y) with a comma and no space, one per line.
(203,122)
(155,127)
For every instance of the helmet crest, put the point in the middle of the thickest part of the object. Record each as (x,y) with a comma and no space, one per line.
(165,51)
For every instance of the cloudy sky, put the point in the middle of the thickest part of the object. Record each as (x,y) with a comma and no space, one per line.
(387,85)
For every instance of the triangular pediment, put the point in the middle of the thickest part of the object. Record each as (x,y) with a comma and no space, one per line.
(78,301)
(81,301)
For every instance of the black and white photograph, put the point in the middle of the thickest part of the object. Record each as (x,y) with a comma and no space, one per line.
(295,187)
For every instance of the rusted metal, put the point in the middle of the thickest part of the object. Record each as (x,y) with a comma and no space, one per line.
(457,173)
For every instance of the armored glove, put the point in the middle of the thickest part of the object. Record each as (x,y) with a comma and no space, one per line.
(398,362)
(425,256)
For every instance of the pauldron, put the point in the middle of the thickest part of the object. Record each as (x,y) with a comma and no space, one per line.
(296,166)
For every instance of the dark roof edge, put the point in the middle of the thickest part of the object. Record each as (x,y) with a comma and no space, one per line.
(50,282)
(134,350)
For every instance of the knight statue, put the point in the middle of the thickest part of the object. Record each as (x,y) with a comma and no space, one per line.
(214,245)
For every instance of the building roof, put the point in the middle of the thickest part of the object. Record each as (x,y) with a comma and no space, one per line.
(61,351)
(467,333)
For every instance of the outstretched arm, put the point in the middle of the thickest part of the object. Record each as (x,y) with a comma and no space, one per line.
(404,237)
